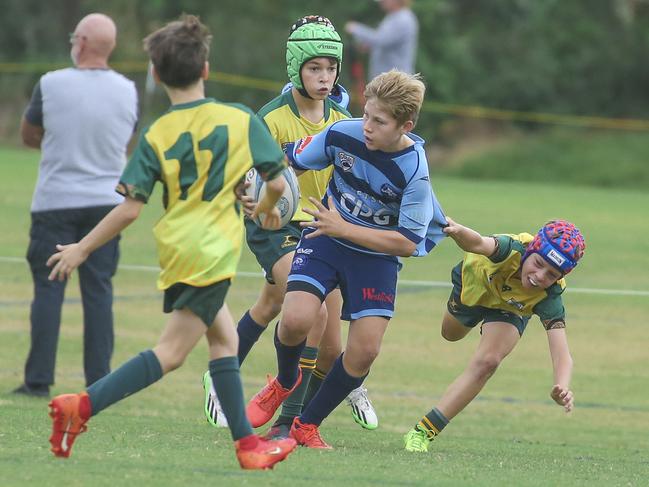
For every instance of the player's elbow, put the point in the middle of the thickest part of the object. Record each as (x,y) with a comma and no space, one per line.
(130,210)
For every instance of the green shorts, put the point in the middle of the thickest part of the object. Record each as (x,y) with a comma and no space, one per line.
(204,302)
(271,245)
(472,315)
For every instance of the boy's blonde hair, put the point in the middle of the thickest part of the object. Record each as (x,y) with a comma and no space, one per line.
(401,93)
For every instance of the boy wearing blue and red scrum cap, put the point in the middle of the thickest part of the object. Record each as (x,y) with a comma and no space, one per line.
(502,281)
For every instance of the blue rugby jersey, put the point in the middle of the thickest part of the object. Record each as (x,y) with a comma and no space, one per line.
(375,189)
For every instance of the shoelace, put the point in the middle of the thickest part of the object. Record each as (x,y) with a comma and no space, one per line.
(310,433)
(267,394)
(419,440)
(360,396)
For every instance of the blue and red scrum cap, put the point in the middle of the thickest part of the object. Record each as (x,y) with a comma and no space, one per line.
(560,243)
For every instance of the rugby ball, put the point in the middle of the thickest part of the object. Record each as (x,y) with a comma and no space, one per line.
(287,203)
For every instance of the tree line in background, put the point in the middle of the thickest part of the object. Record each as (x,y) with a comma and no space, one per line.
(585,57)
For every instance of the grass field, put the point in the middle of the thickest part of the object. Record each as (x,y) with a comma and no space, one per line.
(601,158)
(511,435)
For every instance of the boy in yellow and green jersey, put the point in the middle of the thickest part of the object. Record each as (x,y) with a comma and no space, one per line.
(199,150)
(503,281)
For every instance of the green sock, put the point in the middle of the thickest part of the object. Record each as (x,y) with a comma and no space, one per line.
(227,384)
(433,423)
(292,405)
(136,374)
(314,386)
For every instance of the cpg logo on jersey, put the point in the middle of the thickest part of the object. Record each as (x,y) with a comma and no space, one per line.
(357,208)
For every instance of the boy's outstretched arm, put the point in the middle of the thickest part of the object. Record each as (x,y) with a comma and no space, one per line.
(469,240)
(71,256)
(562,368)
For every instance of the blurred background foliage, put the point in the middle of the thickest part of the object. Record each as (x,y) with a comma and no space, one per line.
(572,57)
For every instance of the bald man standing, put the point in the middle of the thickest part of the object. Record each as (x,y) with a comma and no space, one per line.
(82,119)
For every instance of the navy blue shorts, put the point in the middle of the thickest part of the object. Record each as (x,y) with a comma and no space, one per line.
(368,283)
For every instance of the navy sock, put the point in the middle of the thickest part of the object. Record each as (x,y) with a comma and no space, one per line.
(336,387)
(249,332)
(288,359)
(227,384)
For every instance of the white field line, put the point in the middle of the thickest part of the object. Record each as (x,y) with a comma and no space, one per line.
(402,282)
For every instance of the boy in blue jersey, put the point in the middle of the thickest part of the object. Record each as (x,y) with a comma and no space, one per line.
(314,54)
(501,282)
(199,150)
(379,205)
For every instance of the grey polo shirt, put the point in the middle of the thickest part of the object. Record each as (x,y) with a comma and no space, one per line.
(88,116)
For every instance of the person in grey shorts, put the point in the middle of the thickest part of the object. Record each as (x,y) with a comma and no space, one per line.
(82,119)
(393,44)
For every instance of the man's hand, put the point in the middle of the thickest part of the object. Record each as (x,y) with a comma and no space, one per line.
(66,260)
(563,397)
(327,221)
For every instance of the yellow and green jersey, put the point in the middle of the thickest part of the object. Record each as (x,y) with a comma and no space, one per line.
(200,151)
(494,282)
(283,119)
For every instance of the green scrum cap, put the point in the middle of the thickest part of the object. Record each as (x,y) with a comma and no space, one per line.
(312,36)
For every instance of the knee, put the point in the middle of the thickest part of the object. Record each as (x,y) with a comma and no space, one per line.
(294,322)
(363,357)
(169,359)
(484,367)
(450,336)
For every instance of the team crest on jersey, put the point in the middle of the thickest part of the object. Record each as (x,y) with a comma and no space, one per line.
(389,191)
(346,161)
(303,143)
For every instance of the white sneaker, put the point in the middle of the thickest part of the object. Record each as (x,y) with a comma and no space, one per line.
(213,412)
(362,409)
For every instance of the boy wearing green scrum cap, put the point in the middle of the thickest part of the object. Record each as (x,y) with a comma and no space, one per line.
(314,54)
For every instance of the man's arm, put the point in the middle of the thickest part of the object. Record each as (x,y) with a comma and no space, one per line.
(389,32)
(31,125)
(32,135)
